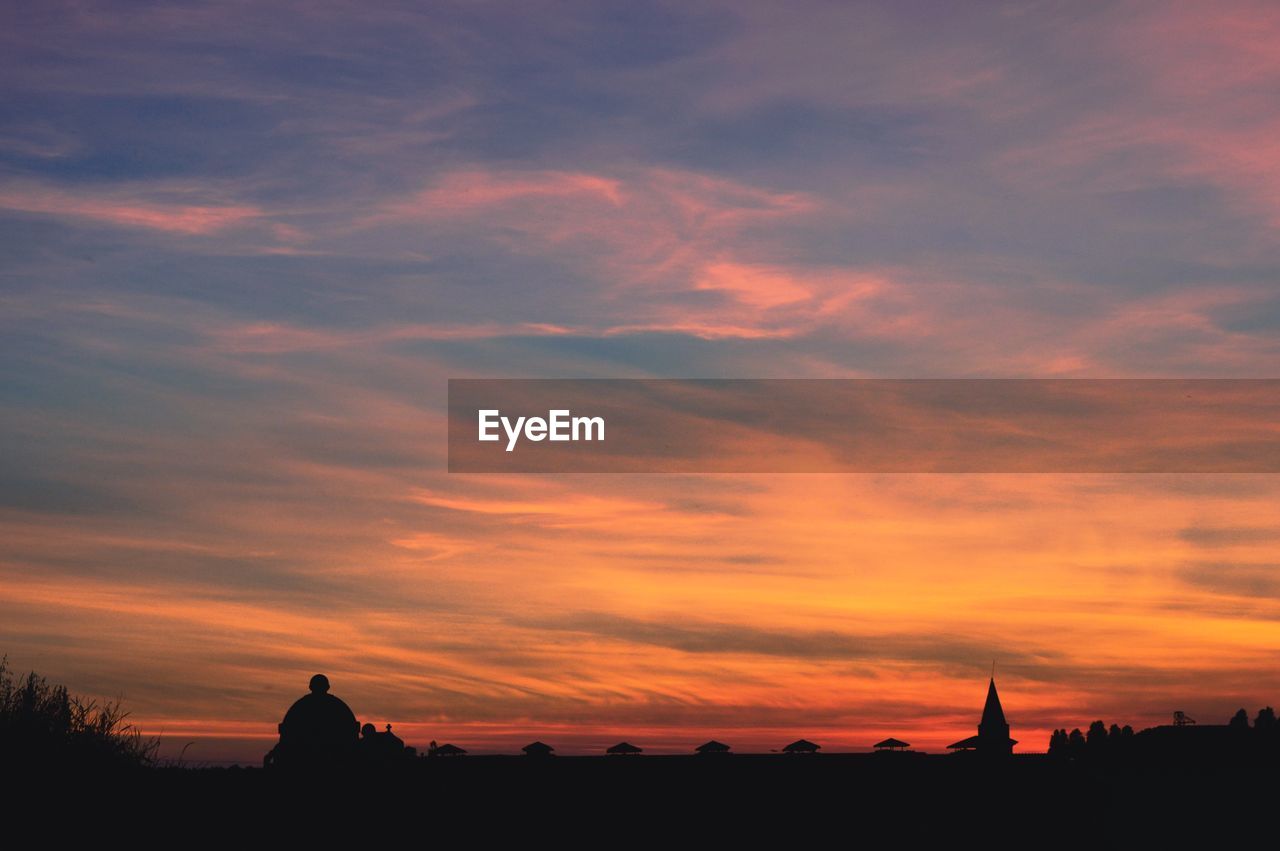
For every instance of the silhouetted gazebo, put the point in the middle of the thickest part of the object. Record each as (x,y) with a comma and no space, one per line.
(712,747)
(624,748)
(449,750)
(537,749)
(801,746)
(891,744)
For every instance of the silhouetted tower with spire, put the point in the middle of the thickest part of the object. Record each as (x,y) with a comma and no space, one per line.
(993,730)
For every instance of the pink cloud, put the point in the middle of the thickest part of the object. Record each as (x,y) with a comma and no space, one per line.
(280,337)
(756,287)
(671,249)
(462,191)
(751,302)
(121,209)
(1198,85)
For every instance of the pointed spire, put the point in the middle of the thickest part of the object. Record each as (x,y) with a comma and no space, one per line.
(993,712)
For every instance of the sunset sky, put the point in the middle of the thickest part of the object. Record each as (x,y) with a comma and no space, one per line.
(244,245)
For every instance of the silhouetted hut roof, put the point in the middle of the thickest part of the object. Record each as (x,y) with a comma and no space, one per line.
(801,746)
(891,744)
(449,750)
(624,747)
(712,747)
(972,743)
(537,749)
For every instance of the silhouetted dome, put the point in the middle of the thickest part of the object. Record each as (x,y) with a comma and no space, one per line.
(319,728)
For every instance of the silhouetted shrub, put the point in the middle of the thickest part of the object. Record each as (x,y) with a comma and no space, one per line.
(1100,743)
(44,726)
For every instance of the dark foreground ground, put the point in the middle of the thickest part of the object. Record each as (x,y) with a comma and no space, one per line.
(912,800)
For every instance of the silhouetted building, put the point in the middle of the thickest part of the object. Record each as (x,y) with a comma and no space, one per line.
(623,748)
(318,731)
(993,730)
(381,749)
(448,750)
(801,746)
(712,747)
(1193,741)
(537,749)
(1184,742)
(890,745)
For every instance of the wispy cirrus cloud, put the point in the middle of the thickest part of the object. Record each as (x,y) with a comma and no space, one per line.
(127,210)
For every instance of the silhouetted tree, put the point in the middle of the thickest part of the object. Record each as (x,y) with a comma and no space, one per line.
(1266,720)
(1058,744)
(1075,743)
(1240,720)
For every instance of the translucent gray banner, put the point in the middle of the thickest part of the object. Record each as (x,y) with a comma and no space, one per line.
(864,425)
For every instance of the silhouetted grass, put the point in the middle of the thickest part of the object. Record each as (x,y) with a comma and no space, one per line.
(42,725)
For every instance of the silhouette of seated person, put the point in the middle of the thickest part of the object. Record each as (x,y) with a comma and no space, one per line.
(319,730)
(380,749)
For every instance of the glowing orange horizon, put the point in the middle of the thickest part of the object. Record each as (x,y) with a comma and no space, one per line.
(674,609)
